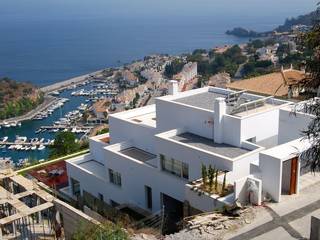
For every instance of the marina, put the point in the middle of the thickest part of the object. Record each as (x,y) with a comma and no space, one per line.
(30,139)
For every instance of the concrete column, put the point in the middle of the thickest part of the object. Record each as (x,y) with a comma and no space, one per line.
(220,108)
(173,87)
(39,213)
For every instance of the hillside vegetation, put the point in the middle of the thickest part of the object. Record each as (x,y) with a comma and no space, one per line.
(306,19)
(17,98)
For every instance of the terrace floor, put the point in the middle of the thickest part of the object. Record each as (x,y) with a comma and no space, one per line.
(203,100)
(94,167)
(209,145)
(138,154)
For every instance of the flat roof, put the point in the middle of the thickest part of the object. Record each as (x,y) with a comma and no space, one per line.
(209,145)
(238,103)
(146,118)
(94,167)
(202,100)
(138,154)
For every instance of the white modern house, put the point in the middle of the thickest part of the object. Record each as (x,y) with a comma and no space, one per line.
(153,155)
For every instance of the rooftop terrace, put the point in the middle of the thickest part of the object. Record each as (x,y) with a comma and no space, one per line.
(209,145)
(202,100)
(238,103)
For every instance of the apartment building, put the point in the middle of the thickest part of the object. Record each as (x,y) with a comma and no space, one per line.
(153,155)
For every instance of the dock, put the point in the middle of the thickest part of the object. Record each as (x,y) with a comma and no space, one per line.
(25,143)
(65,127)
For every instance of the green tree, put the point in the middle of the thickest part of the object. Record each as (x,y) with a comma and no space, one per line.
(173,68)
(64,143)
(311,43)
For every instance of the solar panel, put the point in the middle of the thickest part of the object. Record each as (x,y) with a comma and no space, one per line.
(250,105)
(234,97)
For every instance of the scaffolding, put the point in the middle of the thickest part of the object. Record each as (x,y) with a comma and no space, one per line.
(26,211)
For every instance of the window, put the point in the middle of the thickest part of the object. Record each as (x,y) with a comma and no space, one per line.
(115,177)
(100,197)
(148,191)
(174,167)
(75,187)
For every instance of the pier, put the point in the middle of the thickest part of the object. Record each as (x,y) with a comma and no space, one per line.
(25,143)
(65,127)
(67,83)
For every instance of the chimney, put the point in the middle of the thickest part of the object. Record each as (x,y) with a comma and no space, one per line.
(220,108)
(173,87)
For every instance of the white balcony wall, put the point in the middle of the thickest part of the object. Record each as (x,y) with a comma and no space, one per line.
(96,149)
(204,201)
(88,181)
(142,136)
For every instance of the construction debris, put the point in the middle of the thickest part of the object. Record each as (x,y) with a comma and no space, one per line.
(216,224)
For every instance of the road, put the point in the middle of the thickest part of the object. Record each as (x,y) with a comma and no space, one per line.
(289,219)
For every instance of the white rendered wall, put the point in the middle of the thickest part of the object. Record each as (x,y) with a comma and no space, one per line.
(204,202)
(96,149)
(242,166)
(231,130)
(135,175)
(142,136)
(261,125)
(193,157)
(171,115)
(291,125)
(271,176)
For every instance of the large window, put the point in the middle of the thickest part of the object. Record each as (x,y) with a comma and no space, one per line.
(75,187)
(175,167)
(115,177)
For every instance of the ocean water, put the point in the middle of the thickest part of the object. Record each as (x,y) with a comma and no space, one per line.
(45,41)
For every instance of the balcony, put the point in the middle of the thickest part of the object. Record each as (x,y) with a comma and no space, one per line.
(130,152)
(208,199)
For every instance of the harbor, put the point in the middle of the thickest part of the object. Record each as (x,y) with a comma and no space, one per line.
(28,139)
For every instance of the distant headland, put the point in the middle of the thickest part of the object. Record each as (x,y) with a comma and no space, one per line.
(305,20)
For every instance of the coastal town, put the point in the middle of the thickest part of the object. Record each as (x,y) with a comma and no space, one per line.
(201,145)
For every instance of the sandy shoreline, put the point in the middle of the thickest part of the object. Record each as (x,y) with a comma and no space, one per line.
(66,83)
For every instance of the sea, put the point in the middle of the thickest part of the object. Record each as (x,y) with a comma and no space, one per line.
(44,42)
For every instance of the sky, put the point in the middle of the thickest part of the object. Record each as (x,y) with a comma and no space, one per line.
(52,9)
